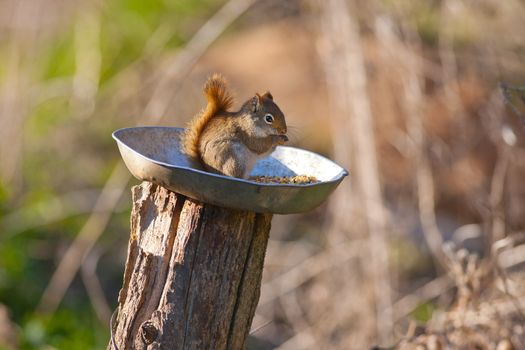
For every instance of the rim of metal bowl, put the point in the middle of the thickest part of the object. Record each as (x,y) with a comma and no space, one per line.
(343,173)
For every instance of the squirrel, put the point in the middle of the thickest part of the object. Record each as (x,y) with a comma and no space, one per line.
(230,143)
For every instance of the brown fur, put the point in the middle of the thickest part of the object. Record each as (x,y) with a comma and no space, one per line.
(219,100)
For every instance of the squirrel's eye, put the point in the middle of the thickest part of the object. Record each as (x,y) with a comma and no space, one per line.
(268,118)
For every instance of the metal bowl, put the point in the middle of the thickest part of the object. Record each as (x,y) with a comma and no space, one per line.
(153,154)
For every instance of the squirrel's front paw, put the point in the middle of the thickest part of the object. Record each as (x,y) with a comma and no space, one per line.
(280,139)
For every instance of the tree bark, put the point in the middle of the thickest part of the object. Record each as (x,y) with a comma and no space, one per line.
(193,274)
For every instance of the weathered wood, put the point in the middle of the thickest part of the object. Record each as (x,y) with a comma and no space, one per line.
(192,276)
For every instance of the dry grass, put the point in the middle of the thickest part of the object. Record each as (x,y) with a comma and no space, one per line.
(487,312)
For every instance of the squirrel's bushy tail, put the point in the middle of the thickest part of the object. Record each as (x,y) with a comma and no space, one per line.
(219,100)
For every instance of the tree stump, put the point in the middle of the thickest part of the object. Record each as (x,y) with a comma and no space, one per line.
(193,274)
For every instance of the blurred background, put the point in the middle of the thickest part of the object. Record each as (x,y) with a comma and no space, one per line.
(420,100)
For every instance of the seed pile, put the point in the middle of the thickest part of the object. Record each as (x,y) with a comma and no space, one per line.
(298,179)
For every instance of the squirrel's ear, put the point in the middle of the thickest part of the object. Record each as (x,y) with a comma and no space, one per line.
(256,102)
(268,95)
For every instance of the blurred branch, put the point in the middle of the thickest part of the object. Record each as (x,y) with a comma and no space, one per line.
(168,79)
(88,59)
(41,92)
(335,316)
(85,240)
(503,138)
(411,71)
(497,189)
(449,67)
(188,57)
(94,288)
(513,256)
(48,212)
(429,291)
(118,180)
(519,92)
(304,336)
(254,329)
(345,70)
(297,275)
(300,340)
(13,90)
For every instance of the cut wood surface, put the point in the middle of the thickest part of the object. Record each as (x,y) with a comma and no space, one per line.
(193,274)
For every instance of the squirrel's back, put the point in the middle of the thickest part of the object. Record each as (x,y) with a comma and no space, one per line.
(219,100)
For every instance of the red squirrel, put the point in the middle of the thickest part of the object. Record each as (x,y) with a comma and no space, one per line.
(230,143)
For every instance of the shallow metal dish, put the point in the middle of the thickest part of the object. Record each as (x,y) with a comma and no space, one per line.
(153,154)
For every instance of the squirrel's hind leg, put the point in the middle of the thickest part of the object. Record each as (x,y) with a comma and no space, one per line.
(227,157)
(234,167)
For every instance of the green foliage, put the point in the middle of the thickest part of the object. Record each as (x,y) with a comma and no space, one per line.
(128,24)
(411,261)
(423,313)
(58,59)
(66,329)
(21,276)
(47,116)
